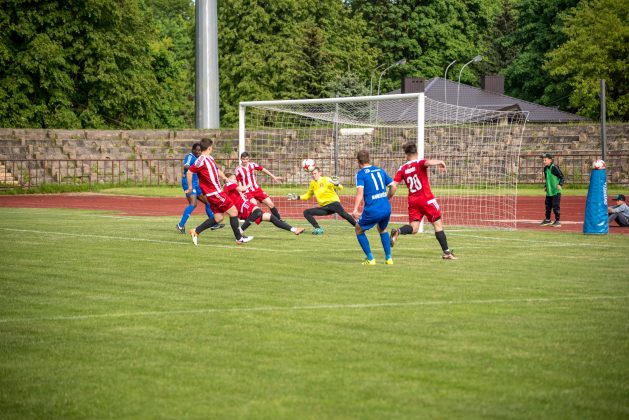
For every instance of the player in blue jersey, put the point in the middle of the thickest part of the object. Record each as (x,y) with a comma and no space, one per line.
(196,191)
(371,187)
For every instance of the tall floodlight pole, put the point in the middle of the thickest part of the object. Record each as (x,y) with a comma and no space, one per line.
(445,83)
(473,60)
(371,80)
(397,63)
(207,103)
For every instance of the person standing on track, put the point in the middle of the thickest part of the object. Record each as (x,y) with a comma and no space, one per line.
(553,181)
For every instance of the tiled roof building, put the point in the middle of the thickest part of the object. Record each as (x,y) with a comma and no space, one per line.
(489,96)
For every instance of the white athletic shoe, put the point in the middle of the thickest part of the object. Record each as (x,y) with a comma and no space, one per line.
(244,240)
(195,236)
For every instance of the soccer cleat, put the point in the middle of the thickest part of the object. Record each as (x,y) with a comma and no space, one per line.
(318,231)
(244,240)
(449,255)
(181,229)
(195,237)
(389,261)
(218,226)
(556,224)
(369,262)
(393,237)
(546,222)
(299,231)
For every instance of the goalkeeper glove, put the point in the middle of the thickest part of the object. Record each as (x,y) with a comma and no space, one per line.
(335,180)
(293,196)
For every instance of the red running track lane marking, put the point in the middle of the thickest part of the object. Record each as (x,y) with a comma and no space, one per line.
(530,209)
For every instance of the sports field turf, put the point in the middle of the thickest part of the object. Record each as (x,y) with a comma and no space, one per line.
(103,316)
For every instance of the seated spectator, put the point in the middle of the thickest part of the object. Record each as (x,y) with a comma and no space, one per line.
(619,212)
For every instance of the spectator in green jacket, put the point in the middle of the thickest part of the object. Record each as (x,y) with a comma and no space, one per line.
(553,180)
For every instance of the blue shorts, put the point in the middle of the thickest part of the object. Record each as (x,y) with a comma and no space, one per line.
(367,221)
(196,189)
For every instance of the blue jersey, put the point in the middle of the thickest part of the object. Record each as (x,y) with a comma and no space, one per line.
(374,182)
(187,162)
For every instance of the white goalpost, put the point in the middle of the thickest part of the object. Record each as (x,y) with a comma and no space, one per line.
(480,148)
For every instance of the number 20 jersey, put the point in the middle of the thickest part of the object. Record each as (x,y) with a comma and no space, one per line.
(415,176)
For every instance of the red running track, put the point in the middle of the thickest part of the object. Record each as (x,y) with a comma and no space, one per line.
(530,210)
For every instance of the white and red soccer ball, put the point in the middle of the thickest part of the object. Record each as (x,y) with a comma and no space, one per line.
(598,164)
(308,165)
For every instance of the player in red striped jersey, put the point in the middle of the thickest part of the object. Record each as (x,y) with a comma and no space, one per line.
(248,211)
(245,175)
(209,180)
(421,201)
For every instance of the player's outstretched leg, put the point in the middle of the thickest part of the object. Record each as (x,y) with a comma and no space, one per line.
(240,239)
(443,241)
(386,245)
(275,212)
(207,224)
(181,226)
(404,230)
(364,244)
(309,215)
(338,209)
(255,214)
(283,225)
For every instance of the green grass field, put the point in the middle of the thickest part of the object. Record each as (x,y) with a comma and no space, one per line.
(103,316)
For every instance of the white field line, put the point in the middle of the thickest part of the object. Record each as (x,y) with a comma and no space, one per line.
(519,301)
(553,243)
(308,249)
(188,242)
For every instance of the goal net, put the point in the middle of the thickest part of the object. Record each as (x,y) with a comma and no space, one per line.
(480,148)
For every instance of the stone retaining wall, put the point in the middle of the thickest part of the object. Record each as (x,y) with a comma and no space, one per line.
(570,143)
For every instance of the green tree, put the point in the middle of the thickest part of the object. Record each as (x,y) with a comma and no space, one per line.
(429,34)
(86,63)
(500,53)
(592,52)
(538,30)
(286,49)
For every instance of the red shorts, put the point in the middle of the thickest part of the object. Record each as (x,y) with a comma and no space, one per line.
(258,194)
(219,202)
(245,211)
(418,209)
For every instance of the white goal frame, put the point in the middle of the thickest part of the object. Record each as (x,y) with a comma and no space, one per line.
(493,130)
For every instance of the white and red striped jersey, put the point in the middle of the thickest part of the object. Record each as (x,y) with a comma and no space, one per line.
(245,175)
(238,198)
(415,176)
(206,170)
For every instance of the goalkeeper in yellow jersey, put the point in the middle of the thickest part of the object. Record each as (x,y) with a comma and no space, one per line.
(324,189)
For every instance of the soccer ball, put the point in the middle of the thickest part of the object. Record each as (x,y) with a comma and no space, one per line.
(308,164)
(598,164)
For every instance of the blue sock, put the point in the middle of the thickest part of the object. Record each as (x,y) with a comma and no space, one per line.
(208,211)
(186,214)
(364,244)
(386,244)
